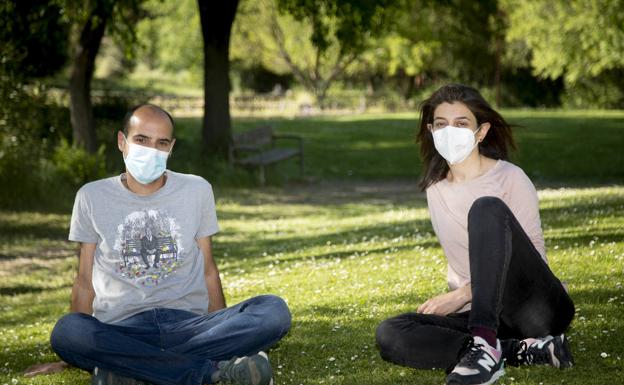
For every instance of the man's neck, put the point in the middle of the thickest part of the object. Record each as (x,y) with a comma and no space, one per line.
(144,189)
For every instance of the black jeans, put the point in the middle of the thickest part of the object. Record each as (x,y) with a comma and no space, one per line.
(513,292)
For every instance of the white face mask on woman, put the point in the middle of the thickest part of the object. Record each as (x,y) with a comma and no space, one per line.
(455,143)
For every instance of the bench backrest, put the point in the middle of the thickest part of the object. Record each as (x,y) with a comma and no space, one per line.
(256,137)
(166,244)
(132,247)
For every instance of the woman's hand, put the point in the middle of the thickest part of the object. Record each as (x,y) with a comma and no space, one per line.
(446,303)
(47,368)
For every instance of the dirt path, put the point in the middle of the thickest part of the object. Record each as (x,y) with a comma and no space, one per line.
(333,192)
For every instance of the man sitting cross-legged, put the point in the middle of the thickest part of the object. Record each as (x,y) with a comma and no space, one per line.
(147,304)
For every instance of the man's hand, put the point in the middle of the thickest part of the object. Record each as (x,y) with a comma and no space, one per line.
(446,303)
(47,368)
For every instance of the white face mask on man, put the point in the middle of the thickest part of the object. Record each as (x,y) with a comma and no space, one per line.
(455,143)
(145,164)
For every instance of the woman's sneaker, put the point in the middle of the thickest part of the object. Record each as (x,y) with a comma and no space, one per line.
(480,365)
(252,370)
(554,351)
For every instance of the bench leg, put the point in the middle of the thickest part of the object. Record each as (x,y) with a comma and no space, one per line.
(261,175)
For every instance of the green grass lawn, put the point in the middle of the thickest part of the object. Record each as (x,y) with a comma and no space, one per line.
(344,257)
(554,147)
(356,246)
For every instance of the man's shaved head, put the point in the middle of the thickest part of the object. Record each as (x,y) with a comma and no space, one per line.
(143,112)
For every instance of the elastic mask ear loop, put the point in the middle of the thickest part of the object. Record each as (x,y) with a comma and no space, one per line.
(475,134)
(127,144)
(126,140)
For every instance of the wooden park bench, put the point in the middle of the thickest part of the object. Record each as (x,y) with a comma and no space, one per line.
(160,247)
(256,148)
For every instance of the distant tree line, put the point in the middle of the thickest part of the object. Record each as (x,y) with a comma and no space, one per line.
(523,52)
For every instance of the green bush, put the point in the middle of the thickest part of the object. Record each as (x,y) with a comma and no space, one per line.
(38,168)
(606,91)
(25,133)
(75,166)
(18,161)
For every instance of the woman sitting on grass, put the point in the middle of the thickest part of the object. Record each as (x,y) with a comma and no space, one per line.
(504,302)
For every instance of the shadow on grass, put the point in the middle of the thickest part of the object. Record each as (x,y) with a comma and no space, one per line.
(40,304)
(316,351)
(20,289)
(573,240)
(42,231)
(259,263)
(596,296)
(33,225)
(46,255)
(256,245)
(572,209)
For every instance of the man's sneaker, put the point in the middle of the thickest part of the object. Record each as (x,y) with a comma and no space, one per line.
(554,351)
(252,370)
(106,377)
(480,365)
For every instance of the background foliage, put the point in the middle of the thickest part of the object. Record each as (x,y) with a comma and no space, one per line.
(304,57)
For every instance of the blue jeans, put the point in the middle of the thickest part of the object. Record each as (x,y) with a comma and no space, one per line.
(168,346)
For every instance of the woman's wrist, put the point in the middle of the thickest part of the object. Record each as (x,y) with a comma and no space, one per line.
(466,294)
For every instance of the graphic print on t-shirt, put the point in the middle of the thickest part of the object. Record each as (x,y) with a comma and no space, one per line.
(149,247)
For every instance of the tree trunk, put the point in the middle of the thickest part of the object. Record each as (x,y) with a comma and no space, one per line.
(81,111)
(216,24)
(497,73)
(500,16)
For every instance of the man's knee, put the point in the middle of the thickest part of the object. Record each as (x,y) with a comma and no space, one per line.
(277,317)
(486,205)
(72,332)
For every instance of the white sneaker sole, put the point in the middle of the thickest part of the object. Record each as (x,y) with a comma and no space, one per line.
(499,373)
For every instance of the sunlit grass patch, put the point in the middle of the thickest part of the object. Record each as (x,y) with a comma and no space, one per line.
(343,265)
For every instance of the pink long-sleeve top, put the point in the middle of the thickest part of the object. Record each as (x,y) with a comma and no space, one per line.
(449,204)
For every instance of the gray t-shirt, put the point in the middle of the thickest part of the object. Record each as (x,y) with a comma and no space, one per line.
(146,255)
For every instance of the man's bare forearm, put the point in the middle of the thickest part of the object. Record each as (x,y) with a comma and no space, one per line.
(82,298)
(82,293)
(215,292)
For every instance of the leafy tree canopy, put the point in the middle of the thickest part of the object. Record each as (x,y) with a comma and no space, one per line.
(570,38)
(170,37)
(33,37)
(352,22)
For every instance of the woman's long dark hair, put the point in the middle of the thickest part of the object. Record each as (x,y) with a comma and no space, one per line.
(495,145)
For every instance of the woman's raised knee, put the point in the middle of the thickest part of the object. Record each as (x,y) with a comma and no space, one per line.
(486,205)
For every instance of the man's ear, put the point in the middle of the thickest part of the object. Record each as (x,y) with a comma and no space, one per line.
(121,141)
